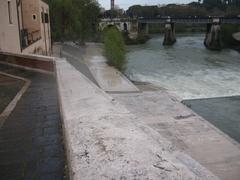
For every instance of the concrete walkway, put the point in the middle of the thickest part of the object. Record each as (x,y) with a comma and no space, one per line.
(75,56)
(106,141)
(186,130)
(31,144)
(108,78)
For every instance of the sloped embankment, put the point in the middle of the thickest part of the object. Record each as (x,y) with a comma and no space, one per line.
(105,141)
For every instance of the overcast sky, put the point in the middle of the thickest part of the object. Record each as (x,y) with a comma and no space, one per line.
(126,3)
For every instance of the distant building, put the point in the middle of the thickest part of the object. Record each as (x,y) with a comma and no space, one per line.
(112,4)
(25,27)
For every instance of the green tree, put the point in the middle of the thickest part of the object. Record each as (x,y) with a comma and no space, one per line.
(135,11)
(210,4)
(73,19)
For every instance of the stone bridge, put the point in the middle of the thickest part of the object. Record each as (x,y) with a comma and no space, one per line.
(134,26)
(123,24)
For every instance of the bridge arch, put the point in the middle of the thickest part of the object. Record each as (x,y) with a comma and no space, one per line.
(110,26)
(125,26)
(105,25)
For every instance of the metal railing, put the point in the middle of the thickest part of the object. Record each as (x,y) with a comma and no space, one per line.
(29,38)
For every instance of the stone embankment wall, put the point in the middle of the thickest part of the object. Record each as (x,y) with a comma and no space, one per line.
(33,62)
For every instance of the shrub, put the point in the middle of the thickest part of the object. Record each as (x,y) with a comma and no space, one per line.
(114,48)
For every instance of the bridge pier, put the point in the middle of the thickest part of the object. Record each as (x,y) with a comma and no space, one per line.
(169,37)
(213,36)
(133,33)
(146,29)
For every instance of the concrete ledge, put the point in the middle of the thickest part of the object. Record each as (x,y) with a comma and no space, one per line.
(105,141)
(43,64)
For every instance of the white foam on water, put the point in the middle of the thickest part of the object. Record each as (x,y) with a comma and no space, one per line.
(187,69)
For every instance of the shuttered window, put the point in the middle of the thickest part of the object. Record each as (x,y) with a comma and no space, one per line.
(10,12)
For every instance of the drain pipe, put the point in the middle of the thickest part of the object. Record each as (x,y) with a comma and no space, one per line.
(18,2)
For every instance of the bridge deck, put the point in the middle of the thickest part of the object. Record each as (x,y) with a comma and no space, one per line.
(190,20)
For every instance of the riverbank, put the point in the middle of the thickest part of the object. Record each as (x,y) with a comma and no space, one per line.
(90,61)
(105,140)
(160,116)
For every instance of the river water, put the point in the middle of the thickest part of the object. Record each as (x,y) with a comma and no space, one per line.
(187,69)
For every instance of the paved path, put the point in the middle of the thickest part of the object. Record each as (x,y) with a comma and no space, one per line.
(9,87)
(31,139)
(186,130)
(108,78)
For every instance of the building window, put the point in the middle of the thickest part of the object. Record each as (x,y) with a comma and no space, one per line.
(46,18)
(10,12)
(34,16)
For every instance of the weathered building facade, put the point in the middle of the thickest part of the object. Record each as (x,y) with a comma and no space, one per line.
(25,27)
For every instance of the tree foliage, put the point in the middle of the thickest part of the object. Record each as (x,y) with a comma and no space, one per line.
(210,4)
(201,8)
(73,19)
